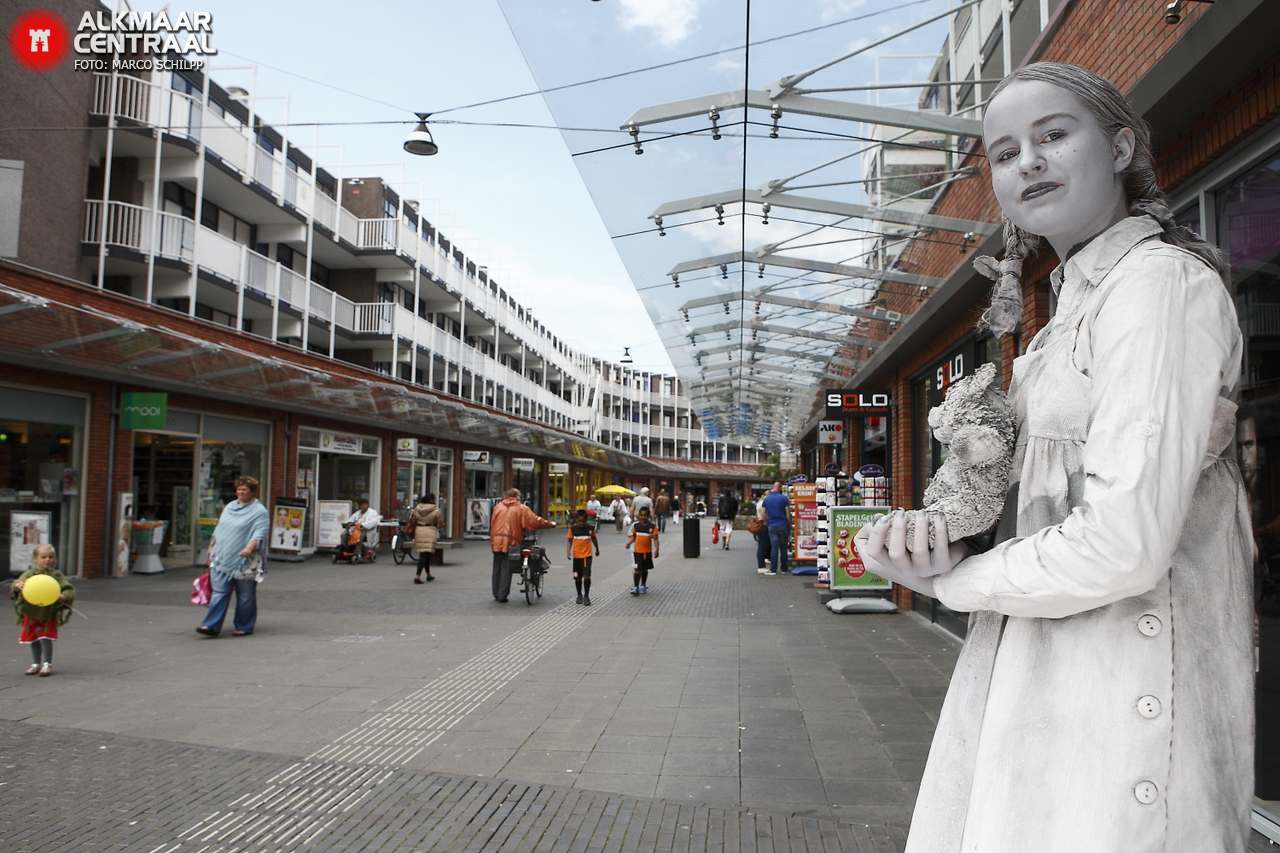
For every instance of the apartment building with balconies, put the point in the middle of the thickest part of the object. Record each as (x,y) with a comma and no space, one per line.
(224,218)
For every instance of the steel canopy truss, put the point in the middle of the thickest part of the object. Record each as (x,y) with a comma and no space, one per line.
(754,348)
(765,296)
(845,209)
(760,99)
(806,264)
(833,337)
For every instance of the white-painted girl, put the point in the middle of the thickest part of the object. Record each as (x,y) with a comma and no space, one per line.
(1103,700)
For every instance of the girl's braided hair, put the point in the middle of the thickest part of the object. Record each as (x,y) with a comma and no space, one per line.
(1141,187)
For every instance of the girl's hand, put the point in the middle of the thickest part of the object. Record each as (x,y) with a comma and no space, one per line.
(628,545)
(882,545)
(18,584)
(247,550)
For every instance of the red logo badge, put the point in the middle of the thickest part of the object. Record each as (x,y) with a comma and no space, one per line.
(39,39)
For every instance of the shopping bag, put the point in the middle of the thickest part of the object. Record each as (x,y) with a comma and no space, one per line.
(201,590)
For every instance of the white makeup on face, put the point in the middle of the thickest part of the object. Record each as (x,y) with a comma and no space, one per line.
(1054,171)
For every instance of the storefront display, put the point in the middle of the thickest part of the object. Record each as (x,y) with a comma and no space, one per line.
(40,463)
(335,466)
(200,455)
(484,480)
(423,469)
(526,475)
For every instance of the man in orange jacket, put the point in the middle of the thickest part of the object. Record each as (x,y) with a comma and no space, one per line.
(507,527)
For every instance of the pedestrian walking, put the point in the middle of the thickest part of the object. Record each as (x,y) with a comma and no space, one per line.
(581,543)
(237,562)
(644,535)
(726,513)
(619,510)
(675,509)
(38,623)
(426,519)
(641,501)
(778,522)
(1111,636)
(760,530)
(662,507)
(507,527)
(593,512)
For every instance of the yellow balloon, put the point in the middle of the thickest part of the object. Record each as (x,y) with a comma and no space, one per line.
(41,590)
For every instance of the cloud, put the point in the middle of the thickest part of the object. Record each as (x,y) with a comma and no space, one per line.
(728,64)
(834,9)
(670,21)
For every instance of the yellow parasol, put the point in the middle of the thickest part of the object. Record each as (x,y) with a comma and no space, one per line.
(615,491)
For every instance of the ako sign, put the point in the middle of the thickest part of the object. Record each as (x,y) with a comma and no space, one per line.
(830,432)
(841,403)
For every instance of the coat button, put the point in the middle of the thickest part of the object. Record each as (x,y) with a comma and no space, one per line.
(1146,792)
(1149,707)
(1149,624)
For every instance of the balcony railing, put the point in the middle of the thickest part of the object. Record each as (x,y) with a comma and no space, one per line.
(134,227)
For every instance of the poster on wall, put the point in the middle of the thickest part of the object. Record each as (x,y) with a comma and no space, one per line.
(26,531)
(847,568)
(479,457)
(804,525)
(329,518)
(478,511)
(288,522)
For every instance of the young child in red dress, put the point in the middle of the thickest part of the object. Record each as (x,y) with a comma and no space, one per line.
(38,626)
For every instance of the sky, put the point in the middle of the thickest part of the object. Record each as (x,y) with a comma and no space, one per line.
(513,198)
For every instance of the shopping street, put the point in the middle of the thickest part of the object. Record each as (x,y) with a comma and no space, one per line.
(722,711)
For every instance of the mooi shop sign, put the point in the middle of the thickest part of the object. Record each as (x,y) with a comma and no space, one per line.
(149,410)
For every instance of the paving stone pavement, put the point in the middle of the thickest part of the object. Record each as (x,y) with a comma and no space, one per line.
(723,710)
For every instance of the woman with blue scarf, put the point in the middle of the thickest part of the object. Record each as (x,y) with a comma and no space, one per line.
(236,559)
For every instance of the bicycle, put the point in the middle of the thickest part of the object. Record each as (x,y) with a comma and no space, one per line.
(533,565)
(402,545)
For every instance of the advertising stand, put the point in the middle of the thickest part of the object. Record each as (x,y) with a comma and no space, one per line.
(804,529)
(288,522)
(848,574)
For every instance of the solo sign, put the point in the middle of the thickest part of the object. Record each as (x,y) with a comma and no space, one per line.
(830,432)
(144,410)
(856,403)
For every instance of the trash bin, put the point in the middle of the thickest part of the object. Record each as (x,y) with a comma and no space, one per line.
(692,534)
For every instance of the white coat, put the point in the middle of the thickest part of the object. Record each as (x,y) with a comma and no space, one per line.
(1103,700)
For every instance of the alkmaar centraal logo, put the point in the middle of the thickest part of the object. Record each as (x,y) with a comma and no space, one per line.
(126,40)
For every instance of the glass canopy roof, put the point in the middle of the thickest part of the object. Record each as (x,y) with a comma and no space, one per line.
(751,233)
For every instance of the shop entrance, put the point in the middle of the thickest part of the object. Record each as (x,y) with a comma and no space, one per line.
(483,484)
(164,469)
(420,477)
(335,467)
(185,475)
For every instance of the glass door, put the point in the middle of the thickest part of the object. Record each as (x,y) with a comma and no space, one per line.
(308,466)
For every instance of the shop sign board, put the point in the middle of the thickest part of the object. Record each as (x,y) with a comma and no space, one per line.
(855,402)
(522,463)
(26,531)
(329,516)
(830,432)
(144,410)
(804,521)
(340,442)
(558,468)
(288,522)
(478,456)
(871,471)
(406,448)
(847,569)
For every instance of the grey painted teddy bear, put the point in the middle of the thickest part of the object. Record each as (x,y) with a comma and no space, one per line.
(975,422)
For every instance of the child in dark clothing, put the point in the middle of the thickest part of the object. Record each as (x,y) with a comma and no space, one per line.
(644,535)
(580,541)
(39,625)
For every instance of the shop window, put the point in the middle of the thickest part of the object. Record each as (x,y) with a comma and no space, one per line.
(40,478)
